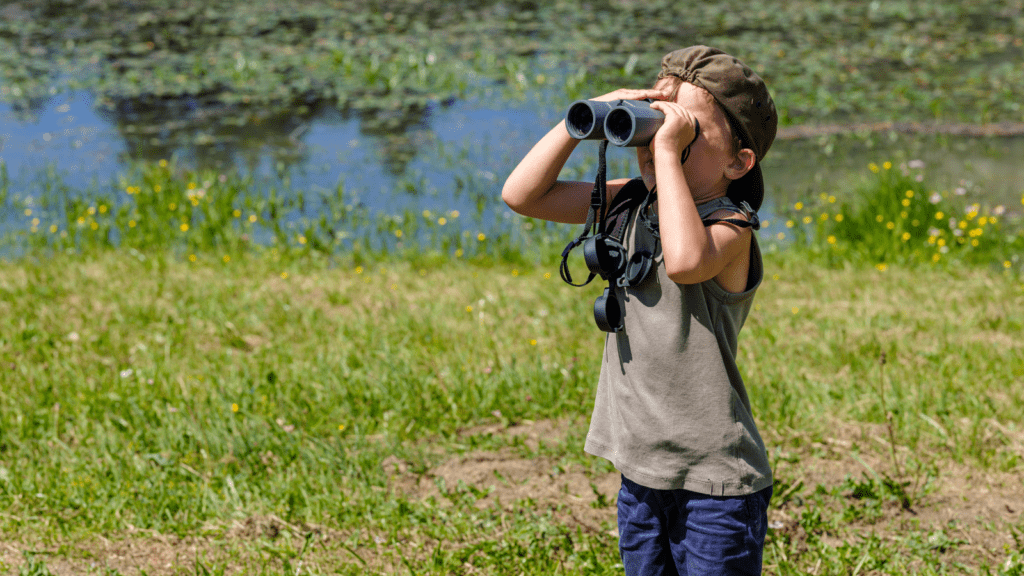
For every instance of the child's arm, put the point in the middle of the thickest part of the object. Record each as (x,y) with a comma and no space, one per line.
(693,253)
(533,188)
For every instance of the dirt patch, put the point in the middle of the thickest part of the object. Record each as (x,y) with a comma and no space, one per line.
(506,479)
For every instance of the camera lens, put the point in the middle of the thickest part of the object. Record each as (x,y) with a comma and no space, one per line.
(607,312)
(605,256)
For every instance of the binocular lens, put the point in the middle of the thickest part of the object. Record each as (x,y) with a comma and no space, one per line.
(585,119)
(622,123)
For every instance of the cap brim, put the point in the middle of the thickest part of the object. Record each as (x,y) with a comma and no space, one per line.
(749,188)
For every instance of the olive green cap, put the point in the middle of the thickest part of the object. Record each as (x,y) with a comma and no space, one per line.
(745,99)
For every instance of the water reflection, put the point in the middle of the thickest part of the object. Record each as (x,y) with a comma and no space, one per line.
(450,155)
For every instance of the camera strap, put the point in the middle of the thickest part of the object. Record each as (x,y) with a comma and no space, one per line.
(595,224)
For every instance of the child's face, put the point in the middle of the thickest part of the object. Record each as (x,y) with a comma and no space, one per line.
(711,155)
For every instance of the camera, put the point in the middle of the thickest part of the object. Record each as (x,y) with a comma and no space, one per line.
(624,123)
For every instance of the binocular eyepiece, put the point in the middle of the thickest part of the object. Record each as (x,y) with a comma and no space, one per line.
(623,123)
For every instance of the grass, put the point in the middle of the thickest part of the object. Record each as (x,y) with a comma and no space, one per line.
(150,397)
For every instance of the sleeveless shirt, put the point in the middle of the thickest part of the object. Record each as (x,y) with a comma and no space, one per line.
(671,409)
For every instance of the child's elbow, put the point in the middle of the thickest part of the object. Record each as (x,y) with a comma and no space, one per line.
(512,198)
(685,270)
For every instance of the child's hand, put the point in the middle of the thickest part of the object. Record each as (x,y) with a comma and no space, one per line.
(630,94)
(678,131)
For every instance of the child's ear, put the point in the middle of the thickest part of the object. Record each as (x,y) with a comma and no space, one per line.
(741,164)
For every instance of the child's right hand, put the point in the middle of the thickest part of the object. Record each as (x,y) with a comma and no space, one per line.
(631,94)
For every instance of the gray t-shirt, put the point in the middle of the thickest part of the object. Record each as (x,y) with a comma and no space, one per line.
(671,409)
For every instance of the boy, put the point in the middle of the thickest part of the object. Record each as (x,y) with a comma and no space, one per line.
(672,412)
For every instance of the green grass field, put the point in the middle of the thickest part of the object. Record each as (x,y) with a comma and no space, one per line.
(295,416)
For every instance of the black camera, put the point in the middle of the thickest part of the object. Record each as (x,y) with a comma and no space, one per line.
(623,123)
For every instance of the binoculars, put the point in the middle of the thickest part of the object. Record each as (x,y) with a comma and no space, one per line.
(623,123)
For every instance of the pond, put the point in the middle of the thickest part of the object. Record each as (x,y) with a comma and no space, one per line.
(450,156)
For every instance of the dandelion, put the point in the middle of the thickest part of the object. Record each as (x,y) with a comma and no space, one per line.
(426,214)
(442,221)
(302,240)
(234,407)
(982,221)
(879,218)
(163,163)
(515,273)
(873,167)
(184,227)
(398,233)
(359,269)
(454,214)
(53,229)
(237,213)
(459,253)
(808,219)
(192,258)
(172,206)
(533,342)
(131,223)
(1006,264)
(91,211)
(252,218)
(939,215)
(795,309)
(823,217)
(284,275)
(481,237)
(881,266)
(158,188)
(905,237)
(887,165)
(909,194)
(469,308)
(547,275)
(831,199)
(94,226)
(790,223)
(839,217)
(192,186)
(341,427)
(798,206)
(936,257)
(226,258)
(906,202)
(781,236)
(890,225)
(832,240)
(904,215)
(975,242)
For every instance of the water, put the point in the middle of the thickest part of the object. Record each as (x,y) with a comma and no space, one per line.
(445,157)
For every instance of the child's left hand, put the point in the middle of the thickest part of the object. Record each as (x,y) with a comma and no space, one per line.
(678,131)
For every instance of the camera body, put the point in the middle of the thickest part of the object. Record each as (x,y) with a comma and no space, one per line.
(625,123)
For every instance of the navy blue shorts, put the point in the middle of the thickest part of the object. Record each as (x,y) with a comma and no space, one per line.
(684,533)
